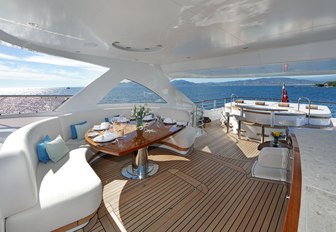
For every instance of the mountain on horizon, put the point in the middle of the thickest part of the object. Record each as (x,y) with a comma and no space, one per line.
(257,82)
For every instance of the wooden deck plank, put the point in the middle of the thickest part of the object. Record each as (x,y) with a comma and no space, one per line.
(142,190)
(225,206)
(243,224)
(152,214)
(108,224)
(210,189)
(230,216)
(164,223)
(275,201)
(145,208)
(199,213)
(243,213)
(192,212)
(279,215)
(264,209)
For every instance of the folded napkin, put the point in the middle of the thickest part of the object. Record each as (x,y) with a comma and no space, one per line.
(107,136)
(169,121)
(108,133)
(122,119)
(96,127)
(102,126)
(148,117)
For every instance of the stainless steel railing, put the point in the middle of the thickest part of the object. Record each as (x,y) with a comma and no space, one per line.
(220,102)
(309,103)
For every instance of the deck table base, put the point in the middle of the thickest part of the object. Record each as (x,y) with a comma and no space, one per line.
(140,167)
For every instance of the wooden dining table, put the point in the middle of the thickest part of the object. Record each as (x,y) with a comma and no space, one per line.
(134,141)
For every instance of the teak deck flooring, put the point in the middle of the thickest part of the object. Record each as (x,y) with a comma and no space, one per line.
(211,189)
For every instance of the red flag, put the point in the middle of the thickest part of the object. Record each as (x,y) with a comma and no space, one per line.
(284,97)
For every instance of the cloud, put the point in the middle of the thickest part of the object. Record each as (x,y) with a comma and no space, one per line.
(7,57)
(52,60)
(59,61)
(19,66)
(23,75)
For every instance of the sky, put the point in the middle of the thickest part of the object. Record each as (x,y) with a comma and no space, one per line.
(20,68)
(24,68)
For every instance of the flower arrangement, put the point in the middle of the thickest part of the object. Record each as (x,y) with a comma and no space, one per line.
(277,134)
(139,112)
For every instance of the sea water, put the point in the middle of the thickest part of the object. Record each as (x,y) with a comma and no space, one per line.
(318,95)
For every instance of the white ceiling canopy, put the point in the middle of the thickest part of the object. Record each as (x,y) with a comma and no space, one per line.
(180,34)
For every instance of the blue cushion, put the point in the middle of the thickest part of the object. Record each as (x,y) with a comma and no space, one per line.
(41,150)
(73,129)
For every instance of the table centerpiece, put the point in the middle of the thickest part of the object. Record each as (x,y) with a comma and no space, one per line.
(139,112)
(276,136)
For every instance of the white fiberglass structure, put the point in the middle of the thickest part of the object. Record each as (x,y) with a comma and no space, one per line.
(152,41)
(149,42)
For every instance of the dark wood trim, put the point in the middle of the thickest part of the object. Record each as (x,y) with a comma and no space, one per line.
(135,140)
(76,223)
(293,210)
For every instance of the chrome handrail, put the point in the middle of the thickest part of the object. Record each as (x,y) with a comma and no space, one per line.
(233,97)
(220,102)
(309,103)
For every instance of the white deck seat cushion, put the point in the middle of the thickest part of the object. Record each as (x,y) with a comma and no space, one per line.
(73,129)
(68,191)
(56,148)
(273,157)
(81,129)
(277,174)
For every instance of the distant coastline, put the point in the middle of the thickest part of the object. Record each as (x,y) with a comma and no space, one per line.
(257,82)
(195,92)
(326,84)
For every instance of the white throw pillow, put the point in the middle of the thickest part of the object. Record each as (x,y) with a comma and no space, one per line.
(81,129)
(56,148)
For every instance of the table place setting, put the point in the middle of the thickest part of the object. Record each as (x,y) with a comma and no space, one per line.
(92,134)
(102,126)
(181,124)
(148,118)
(169,121)
(107,136)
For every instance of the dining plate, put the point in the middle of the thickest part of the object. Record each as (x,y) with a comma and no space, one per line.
(102,126)
(93,134)
(169,121)
(181,124)
(148,118)
(105,138)
(122,120)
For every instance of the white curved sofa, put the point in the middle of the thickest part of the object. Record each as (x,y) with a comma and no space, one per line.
(42,197)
